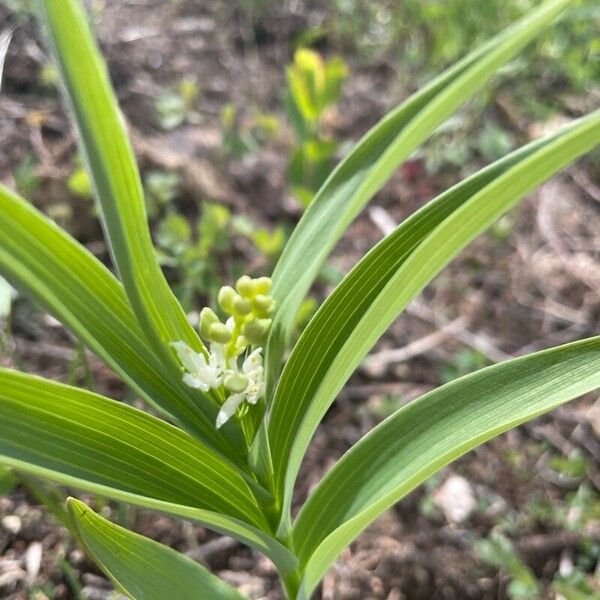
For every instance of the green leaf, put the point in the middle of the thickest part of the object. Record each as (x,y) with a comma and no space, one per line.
(115,177)
(142,568)
(85,435)
(373,160)
(378,288)
(84,441)
(41,259)
(427,434)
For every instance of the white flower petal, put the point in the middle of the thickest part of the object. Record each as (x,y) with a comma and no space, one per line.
(217,356)
(253,362)
(228,409)
(192,361)
(193,382)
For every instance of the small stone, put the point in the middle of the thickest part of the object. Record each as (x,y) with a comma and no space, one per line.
(456,499)
(12,524)
(33,560)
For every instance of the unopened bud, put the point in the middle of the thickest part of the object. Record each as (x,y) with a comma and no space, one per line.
(263,285)
(226,297)
(217,332)
(207,318)
(245,286)
(236,383)
(241,307)
(255,331)
(263,305)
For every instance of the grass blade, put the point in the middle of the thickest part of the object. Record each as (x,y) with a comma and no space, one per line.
(379,287)
(57,427)
(42,260)
(373,160)
(116,180)
(240,530)
(427,434)
(142,568)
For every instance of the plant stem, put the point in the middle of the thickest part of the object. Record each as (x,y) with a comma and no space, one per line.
(291,584)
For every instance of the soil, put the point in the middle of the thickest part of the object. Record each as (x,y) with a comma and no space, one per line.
(530,285)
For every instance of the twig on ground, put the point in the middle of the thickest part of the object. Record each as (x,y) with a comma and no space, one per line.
(204,551)
(478,341)
(386,357)
(407,390)
(585,269)
(583,182)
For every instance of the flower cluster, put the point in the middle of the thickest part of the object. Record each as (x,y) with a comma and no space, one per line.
(249,307)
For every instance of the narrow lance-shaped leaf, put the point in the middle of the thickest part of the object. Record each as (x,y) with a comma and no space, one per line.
(373,160)
(142,568)
(41,259)
(378,288)
(115,176)
(87,442)
(427,434)
(85,435)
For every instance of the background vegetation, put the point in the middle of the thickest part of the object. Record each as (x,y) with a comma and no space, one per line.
(223,99)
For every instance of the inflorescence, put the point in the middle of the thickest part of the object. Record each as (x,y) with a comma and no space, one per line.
(234,360)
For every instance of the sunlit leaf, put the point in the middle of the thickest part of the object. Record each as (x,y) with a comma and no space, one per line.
(41,259)
(427,434)
(374,293)
(373,160)
(142,568)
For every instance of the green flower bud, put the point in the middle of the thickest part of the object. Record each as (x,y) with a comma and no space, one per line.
(263,305)
(241,307)
(263,285)
(256,331)
(245,286)
(207,318)
(235,382)
(217,332)
(226,297)
(240,345)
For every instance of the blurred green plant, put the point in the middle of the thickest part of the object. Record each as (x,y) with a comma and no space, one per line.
(48,76)
(79,183)
(313,86)
(268,242)
(464,362)
(27,181)
(177,104)
(577,586)
(497,550)
(427,35)
(240,136)
(160,188)
(460,143)
(195,251)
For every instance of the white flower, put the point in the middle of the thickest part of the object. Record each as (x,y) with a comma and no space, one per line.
(228,408)
(200,373)
(204,375)
(252,368)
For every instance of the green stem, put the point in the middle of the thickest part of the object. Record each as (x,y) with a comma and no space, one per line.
(290,580)
(291,584)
